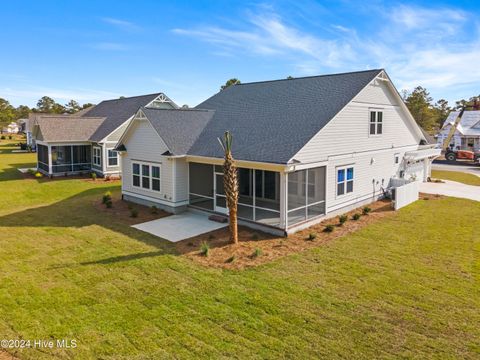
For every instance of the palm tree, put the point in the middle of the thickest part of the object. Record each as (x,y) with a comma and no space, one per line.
(230,184)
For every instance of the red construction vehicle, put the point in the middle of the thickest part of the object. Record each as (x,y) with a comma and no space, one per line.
(457,154)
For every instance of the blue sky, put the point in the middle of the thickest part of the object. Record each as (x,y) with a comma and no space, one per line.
(95,50)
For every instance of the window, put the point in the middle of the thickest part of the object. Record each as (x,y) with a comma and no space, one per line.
(136,174)
(97,156)
(376,122)
(397,158)
(146,176)
(344,180)
(112,158)
(156,178)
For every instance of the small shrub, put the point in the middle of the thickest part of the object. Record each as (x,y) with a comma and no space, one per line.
(204,249)
(254,236)
(9,137)
(356,216)
(31,171)
(329,228)
(38,175)
(231,259)
(154,210)
(3,137)
(134,213)
(312,236)
(109,204)
(258,252)
(366,210)
(107,197)
(93,176)
(342,219)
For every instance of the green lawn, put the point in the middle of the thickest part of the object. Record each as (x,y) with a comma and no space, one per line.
(458,176)
(405,287)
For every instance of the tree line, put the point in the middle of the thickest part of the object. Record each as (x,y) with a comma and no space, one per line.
(9,113)
(431,115)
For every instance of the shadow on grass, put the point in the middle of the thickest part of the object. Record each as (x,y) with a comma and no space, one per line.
(79,211)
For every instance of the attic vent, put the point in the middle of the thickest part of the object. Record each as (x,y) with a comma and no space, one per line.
(161,102)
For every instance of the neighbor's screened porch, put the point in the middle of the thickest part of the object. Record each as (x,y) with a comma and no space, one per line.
(260,194)
(64,159)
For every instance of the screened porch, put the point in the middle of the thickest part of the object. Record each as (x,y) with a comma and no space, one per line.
(54,159)
(260,194)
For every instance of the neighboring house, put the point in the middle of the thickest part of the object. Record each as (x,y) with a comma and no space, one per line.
(306,148)
(467,135)
(85,141)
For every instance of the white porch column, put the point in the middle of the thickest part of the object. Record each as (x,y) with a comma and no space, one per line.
(426,169)
(283,200)
(50,167)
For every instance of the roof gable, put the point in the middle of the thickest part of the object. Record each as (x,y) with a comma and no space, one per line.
(271,121)
(117,111)
(178,128)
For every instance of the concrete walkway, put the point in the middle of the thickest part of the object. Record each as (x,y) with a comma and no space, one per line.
(180,227)
(466,167)
(452,188)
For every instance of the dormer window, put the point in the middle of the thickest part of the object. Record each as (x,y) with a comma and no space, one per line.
(376,122)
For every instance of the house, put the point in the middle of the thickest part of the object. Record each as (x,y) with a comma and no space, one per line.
(85,141)
(306,148)
(467,134)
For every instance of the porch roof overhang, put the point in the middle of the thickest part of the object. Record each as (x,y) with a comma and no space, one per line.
(422,154)
(239,163)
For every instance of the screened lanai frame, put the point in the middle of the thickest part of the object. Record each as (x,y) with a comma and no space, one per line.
(303,192)
(58,158)
(263,209)
(306,198)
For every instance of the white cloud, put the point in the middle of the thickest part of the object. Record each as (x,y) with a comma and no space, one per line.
(121,24)
(434,47)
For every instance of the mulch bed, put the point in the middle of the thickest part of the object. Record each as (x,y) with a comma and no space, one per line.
(223,254)
(123,209)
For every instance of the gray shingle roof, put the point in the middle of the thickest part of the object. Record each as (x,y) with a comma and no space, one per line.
(116,112)
(65,127)
(179,128)
(272,120)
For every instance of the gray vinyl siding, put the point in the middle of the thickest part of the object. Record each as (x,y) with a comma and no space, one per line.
(144,145)
(181,186)
(115,135)
(346,140)
(102,158)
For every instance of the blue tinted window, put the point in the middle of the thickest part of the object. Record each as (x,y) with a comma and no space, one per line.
(349,173)
(341,176)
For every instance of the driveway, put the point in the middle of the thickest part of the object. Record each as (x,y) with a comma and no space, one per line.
(451,188)
(461,166)
(179,227)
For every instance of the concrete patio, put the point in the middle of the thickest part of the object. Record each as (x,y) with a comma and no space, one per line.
(180,227)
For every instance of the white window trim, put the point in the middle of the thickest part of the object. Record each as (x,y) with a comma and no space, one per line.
(345,194)
(109,157)
(376,111)
(150,177)
(94,156)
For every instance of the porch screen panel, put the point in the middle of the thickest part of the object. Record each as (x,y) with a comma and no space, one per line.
(81,158)
(61,159)
(306,195)
(42,155)
(267,197)
(201,185)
